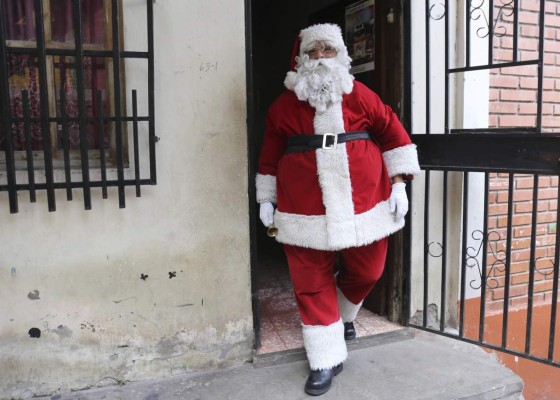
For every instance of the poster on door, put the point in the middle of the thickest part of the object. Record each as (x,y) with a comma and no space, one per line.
(360,38)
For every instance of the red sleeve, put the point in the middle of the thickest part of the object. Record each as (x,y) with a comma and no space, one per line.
(399,154)
(274,146)
(385,125)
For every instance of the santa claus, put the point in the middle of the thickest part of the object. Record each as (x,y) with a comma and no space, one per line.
(334,160)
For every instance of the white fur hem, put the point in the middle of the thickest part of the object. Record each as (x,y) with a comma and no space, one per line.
(348,310)
(402,160)
(266,188)
(325,345)
(311,231)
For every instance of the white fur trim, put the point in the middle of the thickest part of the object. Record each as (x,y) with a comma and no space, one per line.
(266,188)
(291,80)
(325,345)
(402,160)
(327,32)
(348,310)
(334,178)
(329,121)
(311,231)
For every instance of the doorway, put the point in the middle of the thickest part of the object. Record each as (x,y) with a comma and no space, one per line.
(274,25)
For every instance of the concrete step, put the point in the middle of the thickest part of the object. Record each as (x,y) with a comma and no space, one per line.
(405,364)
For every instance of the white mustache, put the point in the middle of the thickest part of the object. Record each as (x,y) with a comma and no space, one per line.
(313,64)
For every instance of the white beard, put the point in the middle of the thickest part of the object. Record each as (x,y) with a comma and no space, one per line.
(321,82)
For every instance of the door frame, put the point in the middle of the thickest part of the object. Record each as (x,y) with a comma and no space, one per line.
(398,255)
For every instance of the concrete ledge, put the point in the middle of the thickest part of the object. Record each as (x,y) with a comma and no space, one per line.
(406,364)
(281,357)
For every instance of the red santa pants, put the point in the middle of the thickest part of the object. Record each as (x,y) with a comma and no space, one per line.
(315,286)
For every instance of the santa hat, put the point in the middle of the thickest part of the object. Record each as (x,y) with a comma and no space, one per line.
(330,33)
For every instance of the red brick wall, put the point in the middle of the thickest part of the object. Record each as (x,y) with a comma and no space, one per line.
(513,103)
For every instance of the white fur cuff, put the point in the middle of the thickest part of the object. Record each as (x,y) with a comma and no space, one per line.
(348,310)
(402,160)
(266,188)
(325,345)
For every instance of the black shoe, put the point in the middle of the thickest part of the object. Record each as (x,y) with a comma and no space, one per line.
(349,331)
(319,382)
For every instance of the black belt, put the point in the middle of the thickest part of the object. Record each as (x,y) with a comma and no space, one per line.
(301,143)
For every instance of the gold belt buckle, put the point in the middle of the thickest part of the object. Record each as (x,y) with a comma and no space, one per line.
(333,145)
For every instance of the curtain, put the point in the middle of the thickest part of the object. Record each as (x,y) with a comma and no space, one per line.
(23,69)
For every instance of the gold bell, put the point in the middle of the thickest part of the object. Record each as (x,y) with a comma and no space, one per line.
(272,231)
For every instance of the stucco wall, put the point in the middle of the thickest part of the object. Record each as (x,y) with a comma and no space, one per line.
(75,274)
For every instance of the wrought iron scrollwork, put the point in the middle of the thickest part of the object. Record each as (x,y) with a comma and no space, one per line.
(506,9)
(472,254)
(472,261)
(542,271)
(437,11)
(440,247)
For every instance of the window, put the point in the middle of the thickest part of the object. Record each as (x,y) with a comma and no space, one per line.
(63,102)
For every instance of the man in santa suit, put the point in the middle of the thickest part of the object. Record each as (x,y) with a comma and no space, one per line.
(333,160)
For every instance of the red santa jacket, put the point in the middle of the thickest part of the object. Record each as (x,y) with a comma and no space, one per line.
(331,199)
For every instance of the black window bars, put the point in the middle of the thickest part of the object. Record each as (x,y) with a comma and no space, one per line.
(7,121)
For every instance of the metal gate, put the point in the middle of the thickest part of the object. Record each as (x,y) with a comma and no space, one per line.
(484,254)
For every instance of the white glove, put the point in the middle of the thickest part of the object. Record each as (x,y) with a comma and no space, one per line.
(398,200)
(267,213)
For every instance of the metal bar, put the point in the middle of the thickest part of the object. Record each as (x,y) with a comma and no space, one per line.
(468,32)
(426,245)
(446,90)
(6,120)
(444,254)
(135,138)
(89,120)
(515,30)
(553,310)
(484,256)
(491,32)
(65,145)
(71,52)
(117,91)
(44,99)
(151,92)
(77,185)
(507,282)
(28,146)
(540,68)
(489,346)
(517,152)
(494,66)
(427,67)
(79,55)
(464,252)
(102,158)
(532,264)
(504,131)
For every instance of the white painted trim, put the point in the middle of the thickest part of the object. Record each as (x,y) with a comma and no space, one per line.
(325,345)
(311,231)
(348,310)
(266,188)
(402,160)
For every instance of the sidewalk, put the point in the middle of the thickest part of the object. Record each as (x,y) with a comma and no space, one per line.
(405,364)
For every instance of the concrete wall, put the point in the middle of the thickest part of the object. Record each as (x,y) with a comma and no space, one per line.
(75,274)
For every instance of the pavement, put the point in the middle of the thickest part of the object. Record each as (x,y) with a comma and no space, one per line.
(404,364)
